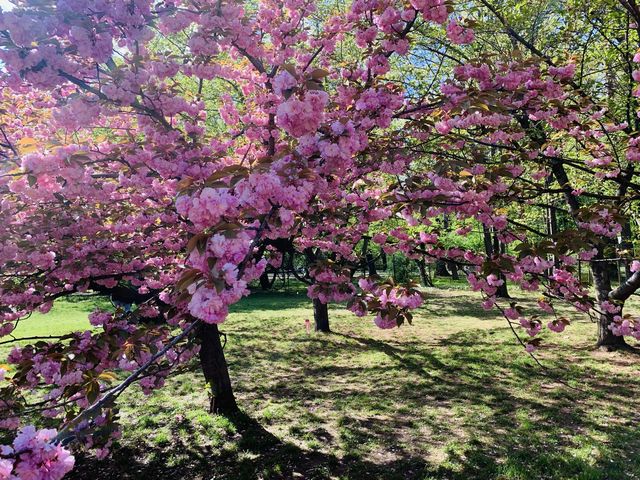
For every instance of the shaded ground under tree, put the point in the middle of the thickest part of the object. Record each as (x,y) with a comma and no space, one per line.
(451,397)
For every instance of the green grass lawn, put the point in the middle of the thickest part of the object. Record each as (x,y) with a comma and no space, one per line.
(450,397)
(66,316)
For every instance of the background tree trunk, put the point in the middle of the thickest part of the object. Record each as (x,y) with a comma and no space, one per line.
(216,373)
(369,262)
(424,275)
(501,248)
(625,247)
(265,283)
(441,269)
(602,282)
(488,244)
(321,316)
(493,246)
(371,265)
(453,268)
(503,290)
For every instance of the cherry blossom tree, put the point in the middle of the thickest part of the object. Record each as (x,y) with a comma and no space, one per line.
(125,167)
(514,133)
(171,149)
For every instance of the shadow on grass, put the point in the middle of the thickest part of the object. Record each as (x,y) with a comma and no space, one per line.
(348,406)
(259,454)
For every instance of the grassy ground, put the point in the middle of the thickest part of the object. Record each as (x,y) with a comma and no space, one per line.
(451,397)
(66,316)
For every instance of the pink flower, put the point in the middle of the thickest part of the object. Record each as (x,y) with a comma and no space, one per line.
(556,326)
(385,322)
(6,467)
(563,72)
(38,459)
(300,117)
(511,313)
(284,82)
(99,319)
(208,306)
(459,34)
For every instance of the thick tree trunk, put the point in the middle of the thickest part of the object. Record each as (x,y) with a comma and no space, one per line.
(371,264)
(453,268)
(441,269)
(321,316)
(216,373)
(265,283)
(424,276)
(493,246)
(602,281)
(503,290)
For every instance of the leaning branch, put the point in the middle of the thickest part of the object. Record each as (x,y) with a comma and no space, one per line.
(66,435)
(626,289)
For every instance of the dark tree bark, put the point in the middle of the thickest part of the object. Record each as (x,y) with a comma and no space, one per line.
(321,316)
(453,268)
(493,246)
(320,310)
(503,290)
(441,269)
(446,268)
(367,259)
(124,294)
(216,373)
(265,283)
(383,257)
(488,244)
(371,264)
(424,276)
(602,281)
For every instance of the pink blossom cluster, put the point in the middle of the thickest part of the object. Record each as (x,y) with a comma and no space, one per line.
(459,34)
(330,285)
(33,456)
(185,198)
(302,116)
(391,303)
(625,326)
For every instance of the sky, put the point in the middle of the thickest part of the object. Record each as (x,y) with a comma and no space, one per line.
(5,5)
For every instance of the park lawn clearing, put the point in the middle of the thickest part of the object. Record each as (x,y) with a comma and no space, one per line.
(450,397)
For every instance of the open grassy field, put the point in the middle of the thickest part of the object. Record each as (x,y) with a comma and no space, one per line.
(450,397)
